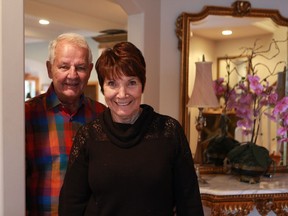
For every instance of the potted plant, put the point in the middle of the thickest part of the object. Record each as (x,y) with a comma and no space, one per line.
(249,99)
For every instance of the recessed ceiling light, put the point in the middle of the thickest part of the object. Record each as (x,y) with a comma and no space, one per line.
(43,22)
(226,32)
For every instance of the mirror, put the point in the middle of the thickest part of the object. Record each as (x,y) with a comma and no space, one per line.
(195,38)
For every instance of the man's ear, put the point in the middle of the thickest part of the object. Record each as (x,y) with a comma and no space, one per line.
(49,69)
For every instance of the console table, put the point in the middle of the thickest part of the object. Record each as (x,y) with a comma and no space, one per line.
(225,195)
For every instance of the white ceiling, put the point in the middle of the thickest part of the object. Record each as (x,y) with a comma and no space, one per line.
(87,17)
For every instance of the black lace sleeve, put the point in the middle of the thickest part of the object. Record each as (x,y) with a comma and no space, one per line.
(188,200)
(73,199)
(80,139)
(88,132)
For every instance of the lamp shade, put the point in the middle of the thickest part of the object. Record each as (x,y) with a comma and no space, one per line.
(203,94)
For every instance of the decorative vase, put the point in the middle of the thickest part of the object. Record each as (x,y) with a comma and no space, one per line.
(249,161)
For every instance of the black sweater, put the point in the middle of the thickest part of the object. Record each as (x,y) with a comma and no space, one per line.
(131,170)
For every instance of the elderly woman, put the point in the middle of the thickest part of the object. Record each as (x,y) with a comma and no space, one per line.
(130,161)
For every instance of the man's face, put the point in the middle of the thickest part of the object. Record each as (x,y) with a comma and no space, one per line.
(69,72)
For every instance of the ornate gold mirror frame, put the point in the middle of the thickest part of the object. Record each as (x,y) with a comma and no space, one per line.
(237,9)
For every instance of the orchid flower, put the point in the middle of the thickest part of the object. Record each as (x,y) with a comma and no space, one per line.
(249,99)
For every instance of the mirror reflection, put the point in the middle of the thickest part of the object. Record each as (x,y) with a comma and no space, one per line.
(200,34)
(232,68)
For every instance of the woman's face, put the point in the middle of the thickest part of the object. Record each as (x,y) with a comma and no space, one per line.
(123,97)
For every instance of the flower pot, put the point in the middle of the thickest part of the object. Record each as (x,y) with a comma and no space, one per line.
(249,174)
(249,161)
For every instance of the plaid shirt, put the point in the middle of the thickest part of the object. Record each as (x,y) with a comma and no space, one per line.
(49,136)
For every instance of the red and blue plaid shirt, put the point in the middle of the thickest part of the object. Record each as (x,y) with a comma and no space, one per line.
(49,136)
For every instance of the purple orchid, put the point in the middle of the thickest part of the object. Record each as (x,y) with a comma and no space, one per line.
(249,99)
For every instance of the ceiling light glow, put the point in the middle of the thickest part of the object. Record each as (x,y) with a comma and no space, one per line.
(44,22)
(226,32)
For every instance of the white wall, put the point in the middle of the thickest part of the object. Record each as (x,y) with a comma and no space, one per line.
(160,49)
(144,32)
(12,198)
